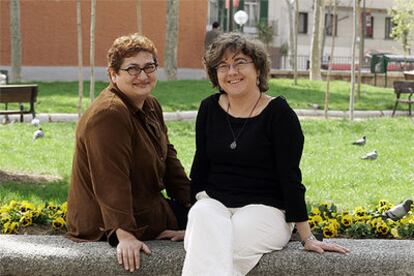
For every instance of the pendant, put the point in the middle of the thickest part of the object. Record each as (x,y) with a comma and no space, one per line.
(233,145)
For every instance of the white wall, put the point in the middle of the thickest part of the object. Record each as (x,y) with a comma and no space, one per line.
(378,8)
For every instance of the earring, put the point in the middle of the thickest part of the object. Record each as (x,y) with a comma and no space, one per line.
(257,82)
(113,79)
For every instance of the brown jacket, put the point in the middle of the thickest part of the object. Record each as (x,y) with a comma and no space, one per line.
(122,161)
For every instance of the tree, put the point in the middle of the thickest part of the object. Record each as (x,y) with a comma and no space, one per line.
(290,10)
(265,33)
(295,52)
(328,76)
(80,53)
(315,62)
(139,16)
(171,40)
(92,52)
(15,39)
(354,34)
(403,19)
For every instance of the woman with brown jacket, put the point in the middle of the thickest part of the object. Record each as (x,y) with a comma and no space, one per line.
(123,160)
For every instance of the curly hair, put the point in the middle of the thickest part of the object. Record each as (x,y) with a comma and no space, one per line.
(127,46)
(237,42)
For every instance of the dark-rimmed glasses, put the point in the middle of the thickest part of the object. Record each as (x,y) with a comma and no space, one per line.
(135,70)
(238,65)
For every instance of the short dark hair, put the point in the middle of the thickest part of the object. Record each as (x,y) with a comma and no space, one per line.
(127,46)
(216,25)
(237,42)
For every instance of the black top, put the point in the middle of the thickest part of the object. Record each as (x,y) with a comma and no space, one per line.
(263,169)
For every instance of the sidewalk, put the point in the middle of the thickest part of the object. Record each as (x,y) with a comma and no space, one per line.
(191,115)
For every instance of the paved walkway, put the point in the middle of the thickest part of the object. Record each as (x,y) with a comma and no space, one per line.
(191,115)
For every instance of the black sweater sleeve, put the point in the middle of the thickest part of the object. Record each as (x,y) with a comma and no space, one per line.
(201,164)
(288,149)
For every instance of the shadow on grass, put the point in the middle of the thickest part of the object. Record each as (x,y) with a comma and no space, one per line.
(37,192)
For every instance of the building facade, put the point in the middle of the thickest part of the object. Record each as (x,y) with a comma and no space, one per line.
(377,28)
(49,35)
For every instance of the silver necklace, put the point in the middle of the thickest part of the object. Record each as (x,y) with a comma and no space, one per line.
(233,145)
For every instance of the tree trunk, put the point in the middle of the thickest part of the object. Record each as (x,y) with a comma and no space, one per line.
(15,39)
(139,16)
(92,52)
(352,94)
(295,53)
(290,10)
(322,30)
(328,76)
(80,53)
(171,40)
(361,51)
(315,62)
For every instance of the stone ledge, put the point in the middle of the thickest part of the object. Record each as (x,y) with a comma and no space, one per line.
(55,255)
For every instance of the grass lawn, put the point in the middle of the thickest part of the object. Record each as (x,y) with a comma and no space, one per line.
(331,168)
(62,97)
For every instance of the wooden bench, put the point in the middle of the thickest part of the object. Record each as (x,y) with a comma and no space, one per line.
(20,94)
(403,87)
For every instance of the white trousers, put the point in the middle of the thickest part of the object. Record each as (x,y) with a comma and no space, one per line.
(230,241)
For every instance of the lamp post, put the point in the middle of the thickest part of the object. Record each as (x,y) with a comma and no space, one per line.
(241,17)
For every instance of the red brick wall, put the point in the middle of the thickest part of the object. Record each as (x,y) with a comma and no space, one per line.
(48,30)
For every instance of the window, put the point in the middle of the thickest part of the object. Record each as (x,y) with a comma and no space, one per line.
(329,22)
(388,27)
(252,9)
(303,22)
(213,11)
(369,25)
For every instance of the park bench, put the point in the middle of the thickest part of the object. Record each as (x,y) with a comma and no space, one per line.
(54,255)
(20,94)
(400,88)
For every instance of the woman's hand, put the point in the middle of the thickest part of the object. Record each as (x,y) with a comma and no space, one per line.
(171,235)
(320,247)
(128,250)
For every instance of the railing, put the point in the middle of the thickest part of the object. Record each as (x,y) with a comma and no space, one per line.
(303,62)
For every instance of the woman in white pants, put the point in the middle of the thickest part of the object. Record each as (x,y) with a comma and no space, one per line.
(245,177)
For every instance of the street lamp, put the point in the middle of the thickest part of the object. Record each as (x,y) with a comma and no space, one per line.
(241,17)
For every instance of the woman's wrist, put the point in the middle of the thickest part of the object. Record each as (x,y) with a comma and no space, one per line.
(311,237)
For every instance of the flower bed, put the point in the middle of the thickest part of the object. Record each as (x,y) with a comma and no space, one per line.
(361,223)
(22,217)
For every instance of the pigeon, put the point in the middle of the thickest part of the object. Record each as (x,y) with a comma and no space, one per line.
(35,122)
(314,106)
(398,211)
(370,155)
(38,134)
(360,141)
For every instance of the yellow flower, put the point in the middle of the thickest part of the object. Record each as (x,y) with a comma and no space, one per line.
(52,207)
(382,228)
(58,223)
(5,209)
(13,204)
(329,231)
(10,227)
(394,233)
(26,220)
(5,217)
(64,207)
(360,212)
(374,222)
(315,211)
(334,223)
(346,220)
(26,206)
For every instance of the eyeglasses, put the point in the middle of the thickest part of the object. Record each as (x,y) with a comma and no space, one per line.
(238,65)
(135,70)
